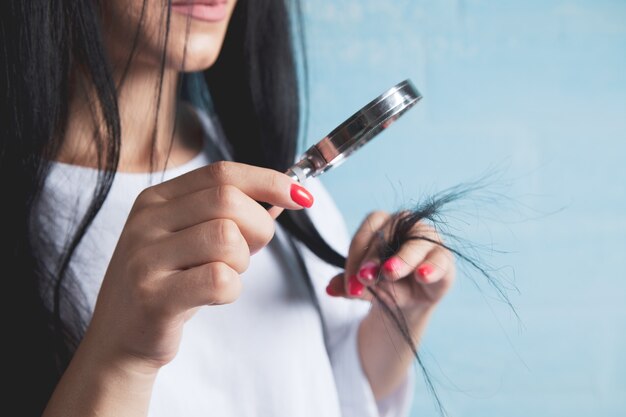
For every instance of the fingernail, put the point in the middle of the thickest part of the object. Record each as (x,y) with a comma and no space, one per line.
(391,265)
(368,271)
(355,288)
(425,270)
(301,196)
(331,291)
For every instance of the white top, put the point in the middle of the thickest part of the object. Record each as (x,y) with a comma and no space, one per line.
(262,355)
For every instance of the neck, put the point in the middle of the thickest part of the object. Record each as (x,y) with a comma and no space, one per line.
(154,133)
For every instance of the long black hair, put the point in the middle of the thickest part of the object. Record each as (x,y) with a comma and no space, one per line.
(40,43)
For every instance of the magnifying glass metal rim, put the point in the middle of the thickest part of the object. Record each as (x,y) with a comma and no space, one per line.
(356,131)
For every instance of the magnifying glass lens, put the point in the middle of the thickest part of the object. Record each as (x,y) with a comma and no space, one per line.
(356,131)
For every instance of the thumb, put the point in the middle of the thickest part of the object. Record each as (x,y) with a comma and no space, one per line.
(335,287)
(275,211)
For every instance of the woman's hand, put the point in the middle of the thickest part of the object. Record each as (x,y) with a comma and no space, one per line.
(418,275)
(184,245)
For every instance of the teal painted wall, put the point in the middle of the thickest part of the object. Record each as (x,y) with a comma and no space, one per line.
(537,90)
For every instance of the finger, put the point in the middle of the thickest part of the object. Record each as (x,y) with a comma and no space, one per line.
(410,254)
(209,284)
(369,269)
(435,266)
(221,202)
(363,242)
(217,240)
(336,288)
(261,184)
(274,212)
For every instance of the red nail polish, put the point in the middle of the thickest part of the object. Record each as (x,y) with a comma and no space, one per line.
(391,265)
(425,270)
(355,288)
(331,291)
(301,196)
(368,271)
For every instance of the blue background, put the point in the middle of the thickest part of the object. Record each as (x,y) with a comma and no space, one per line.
(534,91)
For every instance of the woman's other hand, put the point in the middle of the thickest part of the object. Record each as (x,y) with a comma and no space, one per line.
(418,274)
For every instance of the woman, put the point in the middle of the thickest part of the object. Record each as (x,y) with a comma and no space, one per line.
(109,263)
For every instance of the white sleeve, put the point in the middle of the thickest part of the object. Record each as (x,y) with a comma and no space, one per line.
(342,318)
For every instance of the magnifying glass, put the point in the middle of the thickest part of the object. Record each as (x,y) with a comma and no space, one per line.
(356,131)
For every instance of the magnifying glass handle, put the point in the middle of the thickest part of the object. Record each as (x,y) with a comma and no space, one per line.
(303,169)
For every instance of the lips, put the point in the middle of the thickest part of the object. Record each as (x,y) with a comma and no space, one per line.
(205,10)
(200,2)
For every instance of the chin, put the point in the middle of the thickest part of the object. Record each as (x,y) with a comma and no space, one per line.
(193,44)
(201,51)
(196,42)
